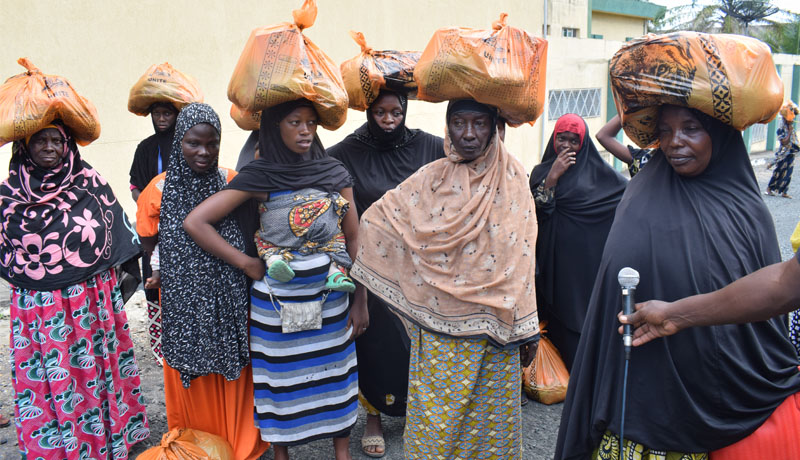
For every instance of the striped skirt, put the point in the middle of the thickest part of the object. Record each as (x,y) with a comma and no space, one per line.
(306,383)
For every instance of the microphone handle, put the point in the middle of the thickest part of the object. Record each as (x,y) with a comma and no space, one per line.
(627,330)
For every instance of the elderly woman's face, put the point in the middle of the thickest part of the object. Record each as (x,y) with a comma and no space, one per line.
(470,133)
(46,148)
(684,141)
(298,129)
(387,112)
(200,147)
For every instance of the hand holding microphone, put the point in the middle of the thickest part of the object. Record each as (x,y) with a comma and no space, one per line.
(628,280)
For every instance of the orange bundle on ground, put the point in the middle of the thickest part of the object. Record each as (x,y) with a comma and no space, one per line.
(189,444)
(546,379)
(504,67)
(32,100)
(369,72)
(279,64)
(245,119)
(163,83)
(729,77)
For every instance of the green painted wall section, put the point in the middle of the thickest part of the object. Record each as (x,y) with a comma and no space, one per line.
(796,84)
(746,137)
(635,8)
(772,125)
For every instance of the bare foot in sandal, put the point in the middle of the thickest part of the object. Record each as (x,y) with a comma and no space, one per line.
(373,443)
(786,195)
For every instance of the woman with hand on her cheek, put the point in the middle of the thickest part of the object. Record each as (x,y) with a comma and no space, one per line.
(576,195)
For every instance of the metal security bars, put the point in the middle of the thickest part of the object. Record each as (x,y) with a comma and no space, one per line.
(584,102)
(758,133)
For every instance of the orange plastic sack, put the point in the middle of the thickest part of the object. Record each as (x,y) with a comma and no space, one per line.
(504,67)
(163,83)
(279,64)
(32,100)
(729,77)
(369,72)
(546,379)
(245,119)
(188,444)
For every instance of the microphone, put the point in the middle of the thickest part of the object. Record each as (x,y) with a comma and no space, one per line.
(628,280)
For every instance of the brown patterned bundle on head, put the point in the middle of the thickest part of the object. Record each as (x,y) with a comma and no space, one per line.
(729,77)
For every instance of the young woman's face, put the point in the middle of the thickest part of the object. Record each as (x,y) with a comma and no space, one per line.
(567,141)
(684,141)
(201,147)
(387,112)
(163,118)
(46,148)
(470,133)
(298,129)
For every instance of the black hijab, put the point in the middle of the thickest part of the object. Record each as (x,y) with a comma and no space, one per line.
(145,160)
(379,164)
(278,168)
(395,136)
(704,387)
(572,233)
(205,301)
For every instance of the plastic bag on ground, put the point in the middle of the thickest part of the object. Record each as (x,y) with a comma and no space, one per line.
(504,67)
(32,100)
(729,77)
(189,444)
(245,119)
(163,83)
(546,378)
(369,72)
(279,64)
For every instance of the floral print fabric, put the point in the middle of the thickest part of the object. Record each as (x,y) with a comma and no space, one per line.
(76,381)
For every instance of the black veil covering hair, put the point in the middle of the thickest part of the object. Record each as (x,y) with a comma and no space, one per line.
(206,302)
(379,164)
(278,168)
(572,235)
(705,387)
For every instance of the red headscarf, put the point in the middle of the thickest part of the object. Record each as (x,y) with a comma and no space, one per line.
(571,123)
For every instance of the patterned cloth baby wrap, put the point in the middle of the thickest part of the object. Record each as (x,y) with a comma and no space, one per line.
(307,221)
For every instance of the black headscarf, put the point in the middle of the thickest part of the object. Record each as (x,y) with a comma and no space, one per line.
(145,160)
(572,232)
(248,151)
(205,301)
(704,387)
(379,165)
(278,168)
(60,226)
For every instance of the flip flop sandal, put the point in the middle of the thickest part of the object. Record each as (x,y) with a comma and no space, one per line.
(340,282)
(281,271)
(373,441)
(786,195)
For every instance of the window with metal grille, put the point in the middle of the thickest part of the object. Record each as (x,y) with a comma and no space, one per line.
(758,133)
(569,32)
(585,102)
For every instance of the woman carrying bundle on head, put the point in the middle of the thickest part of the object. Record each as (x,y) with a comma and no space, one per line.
(302,331)
(379,155)
(207,373)
(451,251)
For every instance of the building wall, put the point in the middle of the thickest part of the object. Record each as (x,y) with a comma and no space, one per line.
(567,13)
(616,27)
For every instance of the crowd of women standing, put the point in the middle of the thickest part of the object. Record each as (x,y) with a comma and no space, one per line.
(454,248)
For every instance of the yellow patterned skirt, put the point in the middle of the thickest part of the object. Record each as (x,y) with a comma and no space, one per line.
(609,450)
(463,399)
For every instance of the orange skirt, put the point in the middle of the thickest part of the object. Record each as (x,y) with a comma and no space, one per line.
(778,438)
(215,405)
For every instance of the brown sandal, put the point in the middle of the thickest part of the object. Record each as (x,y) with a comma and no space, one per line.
(4,421)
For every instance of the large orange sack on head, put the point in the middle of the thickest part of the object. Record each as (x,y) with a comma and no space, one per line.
(729,77)
(163,83)
(371,71)
(189,444)
(245,119)
(279,64)
(546,378)
(32,100)
(504,67)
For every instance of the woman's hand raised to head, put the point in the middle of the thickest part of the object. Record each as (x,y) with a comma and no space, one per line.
(562,163)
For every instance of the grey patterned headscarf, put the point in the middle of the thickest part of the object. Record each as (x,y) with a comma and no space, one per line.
(205,302)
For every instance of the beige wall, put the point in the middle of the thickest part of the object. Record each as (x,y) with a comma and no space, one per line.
(103,48)
(567,13)
(616,27)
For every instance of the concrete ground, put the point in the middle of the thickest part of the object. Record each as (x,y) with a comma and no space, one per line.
(540,422)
